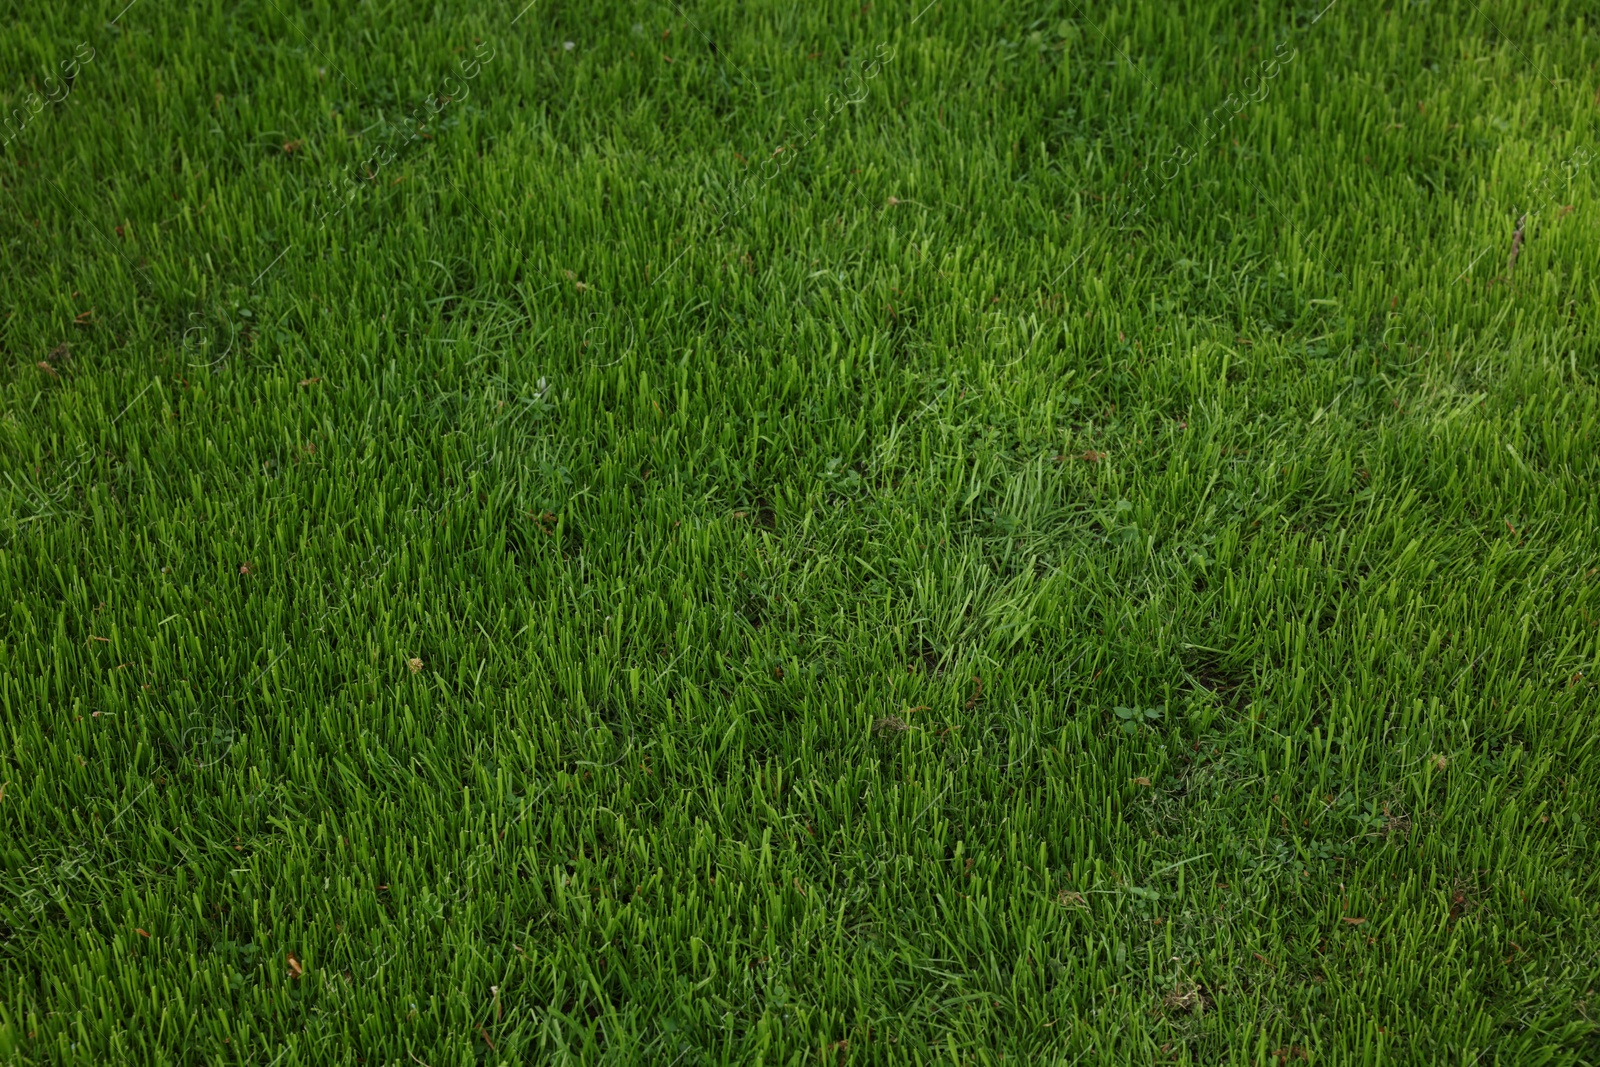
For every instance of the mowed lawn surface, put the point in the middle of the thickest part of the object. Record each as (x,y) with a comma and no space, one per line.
(800,533)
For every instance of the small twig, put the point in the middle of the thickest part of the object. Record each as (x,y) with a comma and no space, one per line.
(1516,245)
(977,693)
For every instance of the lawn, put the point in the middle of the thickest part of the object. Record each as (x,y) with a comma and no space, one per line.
(833,533)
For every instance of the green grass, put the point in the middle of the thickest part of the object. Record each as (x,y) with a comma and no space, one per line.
(1045,569)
